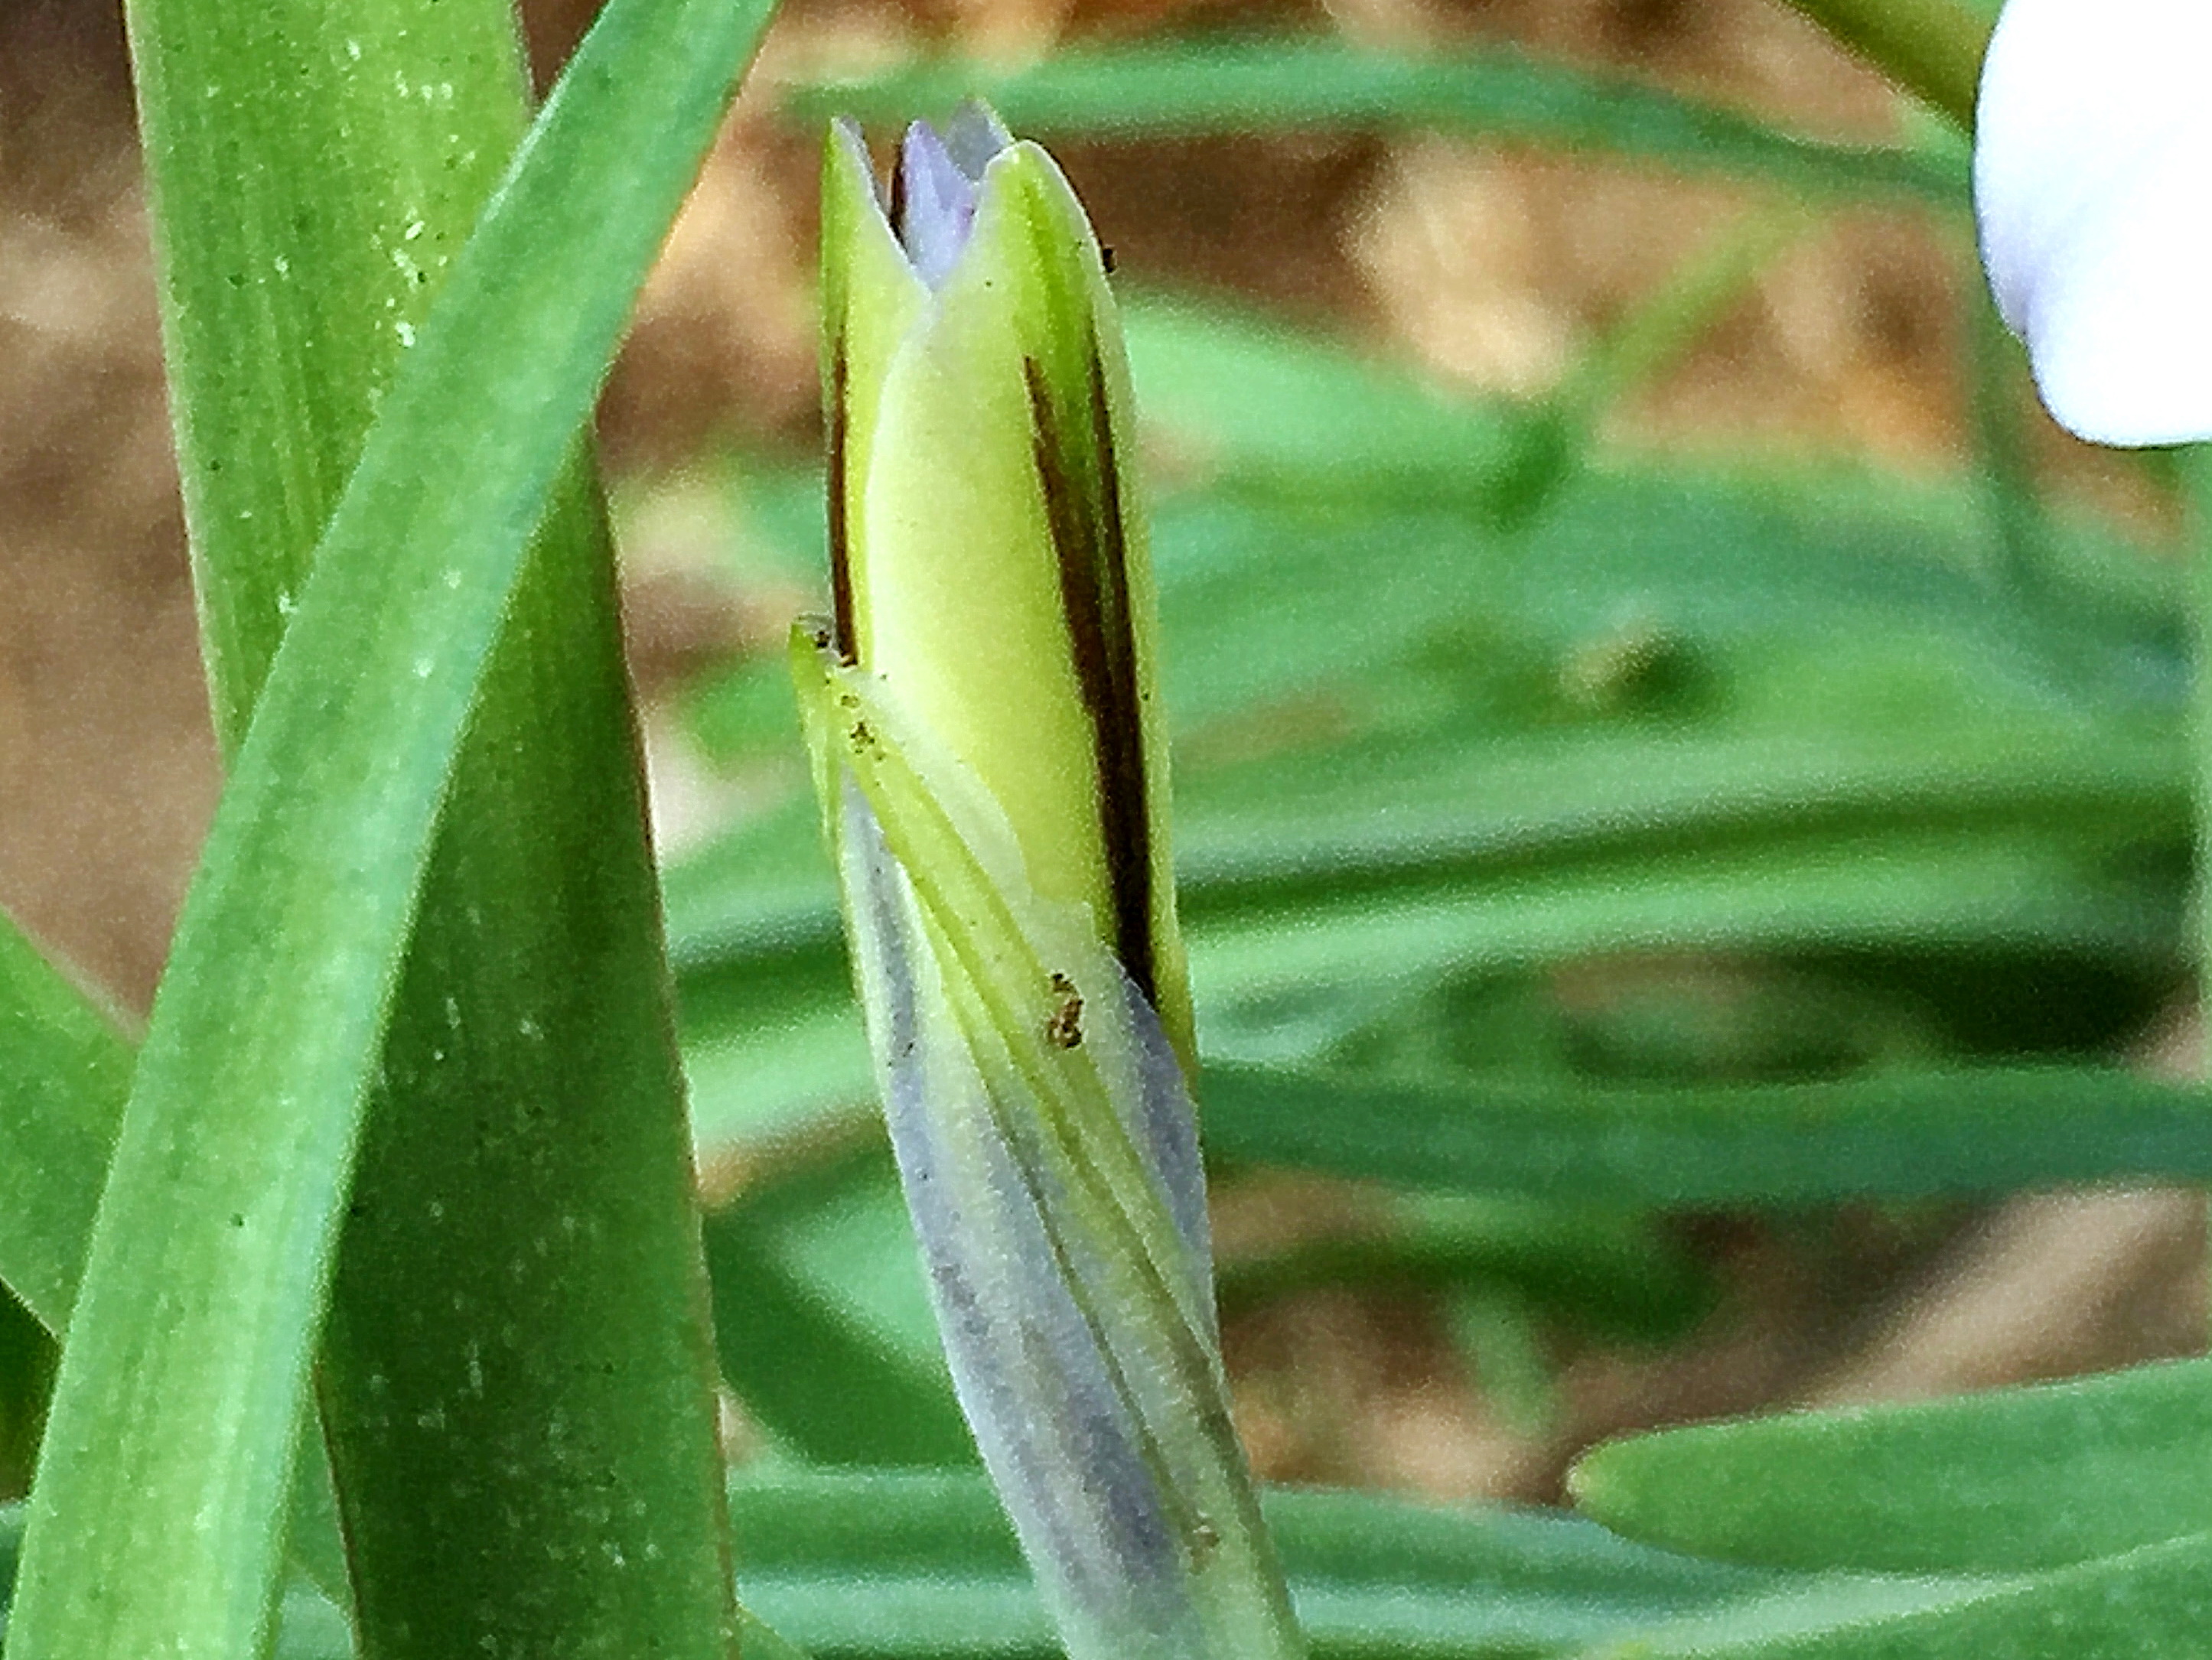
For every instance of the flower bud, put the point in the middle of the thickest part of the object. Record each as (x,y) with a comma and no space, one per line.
(987,556)
(993,775)
(2092,143)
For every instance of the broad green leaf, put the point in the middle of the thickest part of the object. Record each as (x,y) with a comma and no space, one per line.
(155,1522)
(1994,1482)
(526,1066)
(1209,89)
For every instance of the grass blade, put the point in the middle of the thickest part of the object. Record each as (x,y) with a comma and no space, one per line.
(799,1349)
(1214,88)
(1902,1135)
(64,1074)
(2148,1604)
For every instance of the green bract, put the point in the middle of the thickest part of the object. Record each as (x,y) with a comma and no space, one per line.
(992,771)
(990,560)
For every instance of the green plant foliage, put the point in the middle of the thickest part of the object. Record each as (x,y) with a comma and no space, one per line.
(156,1517)
(64,1076)
(1843,730)
(1957,1486)
(923,1565)
(1566,837)
(1209,87)
(1892,1135)
(823,1324)
(1418,755)
(2149,1602)
(528,1152)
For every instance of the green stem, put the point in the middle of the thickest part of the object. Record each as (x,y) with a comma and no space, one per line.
(2194,467)
(1931,48)
(516,1378)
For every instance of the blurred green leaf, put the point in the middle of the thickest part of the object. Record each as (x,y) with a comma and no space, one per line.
(64,1072)
(891,1566)
(1214,88)
(2148,1604)
(1999,1482)
(823,1322)
(1908,1135)
(1608,1274)
(27,1356)
(155,1522)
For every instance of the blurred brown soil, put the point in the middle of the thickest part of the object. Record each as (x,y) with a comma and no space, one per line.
(1493,268)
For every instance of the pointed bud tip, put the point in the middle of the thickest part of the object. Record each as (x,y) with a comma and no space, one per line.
(936,184)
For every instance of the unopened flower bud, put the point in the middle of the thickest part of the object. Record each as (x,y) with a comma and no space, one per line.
(993,772)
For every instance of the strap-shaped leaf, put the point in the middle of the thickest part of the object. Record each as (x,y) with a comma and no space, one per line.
(1187,89)
(1999,1482)
(157,1523)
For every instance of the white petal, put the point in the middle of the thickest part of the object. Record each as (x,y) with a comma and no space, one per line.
(2092,162)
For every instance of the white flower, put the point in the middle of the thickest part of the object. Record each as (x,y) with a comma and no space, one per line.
(2093,183)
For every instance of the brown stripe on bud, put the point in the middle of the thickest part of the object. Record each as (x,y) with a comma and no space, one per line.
(896,213)
(841,551)
(1084,515)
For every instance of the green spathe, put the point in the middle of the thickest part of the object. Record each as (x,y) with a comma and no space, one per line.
(994,567)
(991,767)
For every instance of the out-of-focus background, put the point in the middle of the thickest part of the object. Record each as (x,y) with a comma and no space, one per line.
(1461,1356)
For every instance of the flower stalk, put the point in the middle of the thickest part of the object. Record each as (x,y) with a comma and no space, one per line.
(992,770)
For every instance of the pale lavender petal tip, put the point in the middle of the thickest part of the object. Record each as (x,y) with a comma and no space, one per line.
(939,177)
